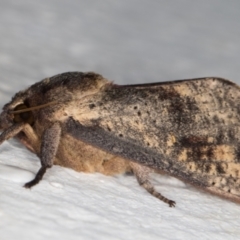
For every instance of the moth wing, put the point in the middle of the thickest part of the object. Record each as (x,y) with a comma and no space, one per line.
(189,129)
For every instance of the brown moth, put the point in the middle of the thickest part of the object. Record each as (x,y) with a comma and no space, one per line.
(189,129)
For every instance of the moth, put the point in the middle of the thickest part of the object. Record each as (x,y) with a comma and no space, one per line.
(189,129)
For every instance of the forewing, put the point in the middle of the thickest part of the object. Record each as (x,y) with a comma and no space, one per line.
(189,129)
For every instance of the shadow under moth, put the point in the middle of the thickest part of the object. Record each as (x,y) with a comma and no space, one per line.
(189,129)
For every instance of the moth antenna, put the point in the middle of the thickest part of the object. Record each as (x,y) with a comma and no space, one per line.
(33,108)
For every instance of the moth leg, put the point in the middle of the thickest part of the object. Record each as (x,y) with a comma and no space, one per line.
(18,128)
(11,132)
(142,175)
(33,139)
(48,150)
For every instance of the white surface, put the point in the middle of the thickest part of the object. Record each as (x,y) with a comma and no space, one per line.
(129,42)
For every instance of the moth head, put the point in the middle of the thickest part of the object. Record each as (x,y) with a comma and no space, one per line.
(22,113)
(15,113)
(19,113)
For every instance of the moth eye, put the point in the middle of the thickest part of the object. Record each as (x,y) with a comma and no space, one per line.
(26,117)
